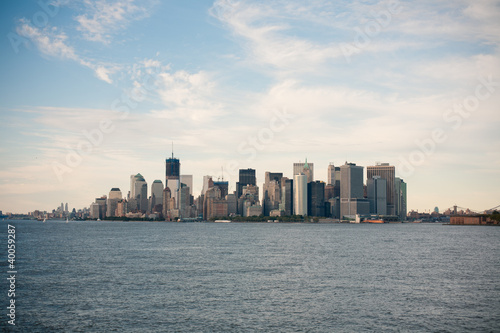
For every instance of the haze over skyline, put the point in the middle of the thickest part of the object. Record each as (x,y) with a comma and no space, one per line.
(94,91)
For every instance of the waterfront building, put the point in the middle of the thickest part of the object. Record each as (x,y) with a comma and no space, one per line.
(121,208)
(142,198)
(232,204)
(167,194)
(94,211)
(305,168)
(316,198)
(271,197)
(334,206)
(184,201)
(156,195)
(253,210)
(377,195)
(300,194)
(400,204)
(115,195)
(139,192)
(214,205)
(351,190)
(286,205)
(387,172)
(102,206)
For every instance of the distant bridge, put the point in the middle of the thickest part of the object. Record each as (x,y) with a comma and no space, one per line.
(457,208)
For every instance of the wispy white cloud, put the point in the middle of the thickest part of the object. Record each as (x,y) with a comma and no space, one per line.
(104,18)
(51,42)
(266,38)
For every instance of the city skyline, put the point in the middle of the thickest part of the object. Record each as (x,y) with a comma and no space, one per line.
(93,92)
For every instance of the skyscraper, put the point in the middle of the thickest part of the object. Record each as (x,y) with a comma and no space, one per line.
(102,206)
(300,194)
(316,198)
(246,177)
(377,195)
(172,177)
(352,181)
(271,192)
(351,191)
(138,193)
(400,192)
(387,172)
(305,168)
(188,180)
(166,202)
(286,205)
(115,195)
(156,194)
(184,201)
(331,174)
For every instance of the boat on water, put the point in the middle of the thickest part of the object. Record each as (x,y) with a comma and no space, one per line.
(374,221)
(222,221)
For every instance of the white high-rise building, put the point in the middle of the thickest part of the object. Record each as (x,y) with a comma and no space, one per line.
(300,194)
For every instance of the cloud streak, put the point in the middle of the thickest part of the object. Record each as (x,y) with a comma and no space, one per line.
(52,43)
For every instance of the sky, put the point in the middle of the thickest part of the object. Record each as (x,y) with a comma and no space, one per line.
(92,92)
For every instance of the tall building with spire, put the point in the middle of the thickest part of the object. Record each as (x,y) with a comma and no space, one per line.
(172,176)
(305,168)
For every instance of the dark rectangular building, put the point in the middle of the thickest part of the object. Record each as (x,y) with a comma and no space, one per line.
(246,177)
(316,198)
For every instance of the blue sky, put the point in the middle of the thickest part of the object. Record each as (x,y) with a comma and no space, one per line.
(94,91)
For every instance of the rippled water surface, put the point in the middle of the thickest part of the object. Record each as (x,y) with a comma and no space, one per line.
(236,277)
